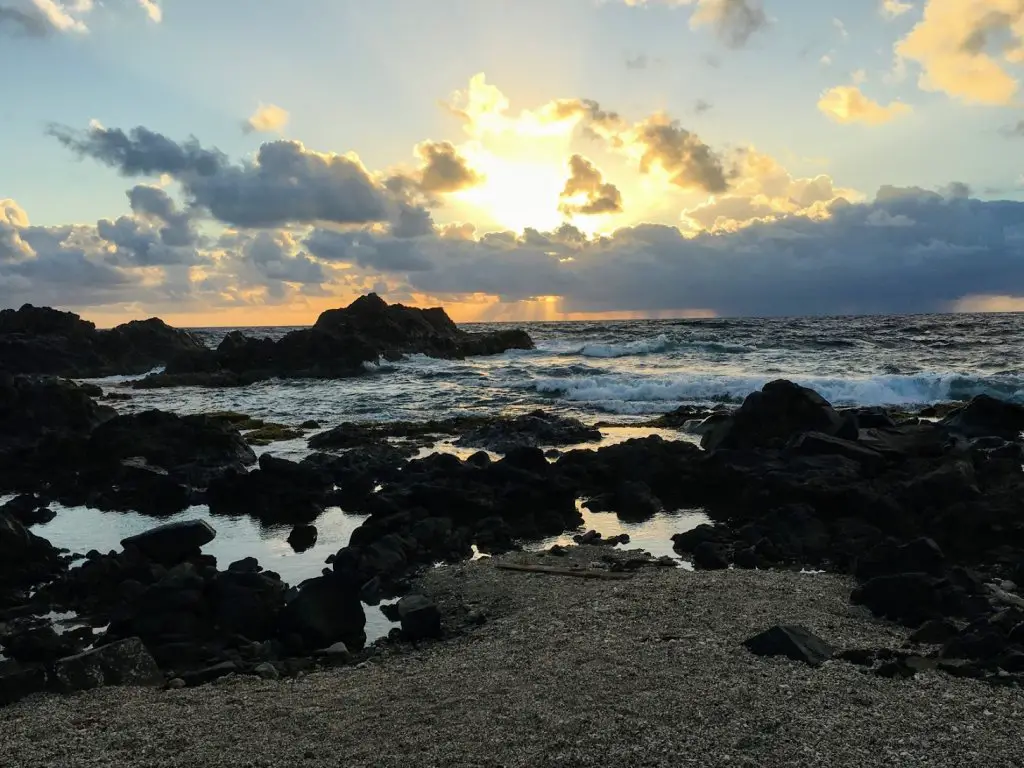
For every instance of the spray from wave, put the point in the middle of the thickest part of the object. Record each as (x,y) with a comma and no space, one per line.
(640,394)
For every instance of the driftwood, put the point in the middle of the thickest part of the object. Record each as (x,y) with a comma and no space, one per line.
(579,573)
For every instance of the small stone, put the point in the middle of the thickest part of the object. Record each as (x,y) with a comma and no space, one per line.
(794,642)
(175,683)
(267,671)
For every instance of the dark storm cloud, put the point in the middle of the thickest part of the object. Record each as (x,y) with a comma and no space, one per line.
(905,252)
(285,184)
(587,181)
(153,202)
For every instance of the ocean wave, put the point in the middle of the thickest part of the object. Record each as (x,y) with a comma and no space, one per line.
(650,346)
(607,392)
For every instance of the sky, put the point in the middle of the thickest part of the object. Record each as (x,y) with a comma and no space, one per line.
(228,162)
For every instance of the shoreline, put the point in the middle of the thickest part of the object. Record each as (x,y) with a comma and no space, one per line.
(647,671)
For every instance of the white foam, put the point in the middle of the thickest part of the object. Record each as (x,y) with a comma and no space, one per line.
(620,394)
(638,347)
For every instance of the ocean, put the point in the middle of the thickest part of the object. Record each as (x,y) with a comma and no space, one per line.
(619,373)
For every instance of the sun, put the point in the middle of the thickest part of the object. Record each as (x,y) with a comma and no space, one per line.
(516,193)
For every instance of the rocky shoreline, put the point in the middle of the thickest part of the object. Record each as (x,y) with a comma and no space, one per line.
(547,670)
(922,510)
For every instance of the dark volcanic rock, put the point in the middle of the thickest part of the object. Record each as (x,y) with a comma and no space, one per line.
(28,510)
(986,416)
(420,617)
(338,345)
(302,537)
(779,411)
(922,555)
(529,430)
(794,642)
(324,612)
(25,558)
(126,662)
(172,543)
(709,557)
(40,340)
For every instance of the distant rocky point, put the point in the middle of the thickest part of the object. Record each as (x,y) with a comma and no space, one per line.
(40,340)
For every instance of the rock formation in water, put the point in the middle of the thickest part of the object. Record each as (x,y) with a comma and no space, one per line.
(338,345)
(41,340)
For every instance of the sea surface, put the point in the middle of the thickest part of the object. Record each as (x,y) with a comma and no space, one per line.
(615,372)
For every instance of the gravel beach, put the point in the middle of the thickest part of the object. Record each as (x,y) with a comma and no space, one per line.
(566,672)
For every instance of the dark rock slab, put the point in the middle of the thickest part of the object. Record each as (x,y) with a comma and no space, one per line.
(126,662)
(324,612)
(794,642)
(709,557)
(18,681)
(172,543)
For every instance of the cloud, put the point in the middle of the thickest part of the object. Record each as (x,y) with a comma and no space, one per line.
(43,18)
(893,8)
(155,203)
(1015,131)
(285,183)
(734,21)
(965,49)
(848,104)
(137,243)
(700,106)
(901,253)
(268,118)
(638,62)
(444,169)
(586,193)
(763,191)
(689,162)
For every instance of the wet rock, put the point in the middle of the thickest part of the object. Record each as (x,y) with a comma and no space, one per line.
(35,643)
(172,543)
(794,642)
(420,617)
(126,662)
(779,411)
(302,537)
(25,558)
(985,416)
(532,430)
(820,444)
(28,510)
(635,502)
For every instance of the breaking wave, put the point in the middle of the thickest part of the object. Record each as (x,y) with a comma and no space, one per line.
(640,394)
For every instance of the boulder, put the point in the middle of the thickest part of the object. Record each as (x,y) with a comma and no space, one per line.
(779,411)
(25,558)
(324,612)
(987,416)
(420,617)
(125,662)
(172,543)
(911,598)
(709,557)
(18,681)
(635,502)
(934,632)
(820,444)
(302,537)
(794,642)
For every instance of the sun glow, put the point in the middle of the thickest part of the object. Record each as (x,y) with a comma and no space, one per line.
(516,193)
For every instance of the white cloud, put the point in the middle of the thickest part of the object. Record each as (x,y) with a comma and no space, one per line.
(268,118)
(967,49)
(848,104)
(893,8)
